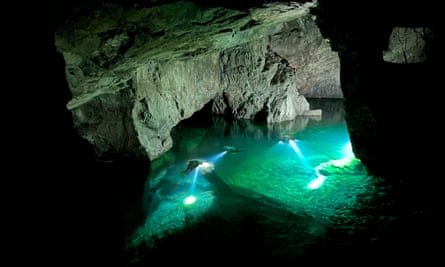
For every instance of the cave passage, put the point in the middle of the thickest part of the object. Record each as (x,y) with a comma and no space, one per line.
(298,171)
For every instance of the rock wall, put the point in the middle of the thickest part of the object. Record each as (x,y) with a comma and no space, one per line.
(258,84)
(245,82)
(106,123)
(317,67)
(168,92)
(409,45)
(136,73)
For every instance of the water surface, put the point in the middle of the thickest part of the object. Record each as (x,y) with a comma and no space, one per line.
(291,182)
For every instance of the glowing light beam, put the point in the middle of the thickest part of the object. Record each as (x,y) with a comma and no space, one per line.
(295,147)
(347,150)
(317,182)
(189,200)
(216,157)
(193,185)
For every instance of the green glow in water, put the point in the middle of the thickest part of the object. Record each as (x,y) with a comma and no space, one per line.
(189,200)
(317,176)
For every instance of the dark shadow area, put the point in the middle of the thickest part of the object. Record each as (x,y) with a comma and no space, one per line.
(261,116)
(386,102)
(78,210)
(392,114)
(201,118)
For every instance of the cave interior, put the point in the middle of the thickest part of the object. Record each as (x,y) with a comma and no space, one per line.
(82,198)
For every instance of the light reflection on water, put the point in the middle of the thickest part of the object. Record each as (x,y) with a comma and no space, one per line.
(317,180)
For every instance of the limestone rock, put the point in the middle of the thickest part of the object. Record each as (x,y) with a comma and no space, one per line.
(167,61)
(316,65)
(408,45)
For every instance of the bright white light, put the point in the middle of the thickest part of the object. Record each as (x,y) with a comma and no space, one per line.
(189,200)
(347,150)
(206,167)
(205,164)
(339,163)
(216,157)
(316,183)
(295,147)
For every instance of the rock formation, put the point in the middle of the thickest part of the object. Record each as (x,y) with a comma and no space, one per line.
(136,71)
(409,45)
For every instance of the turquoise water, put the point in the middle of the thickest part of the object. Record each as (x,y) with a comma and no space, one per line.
(317,180)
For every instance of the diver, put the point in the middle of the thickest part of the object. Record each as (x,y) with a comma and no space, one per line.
(192,164)
(231,149)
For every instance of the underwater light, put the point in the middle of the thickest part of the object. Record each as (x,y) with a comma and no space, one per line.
(216,157)
(347,150)
(204,164)
(231,149)
(295,147)
(206,167)
(189,200)
(317,182)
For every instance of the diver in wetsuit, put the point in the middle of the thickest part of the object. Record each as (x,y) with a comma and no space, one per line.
(231,149)
(192,164)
